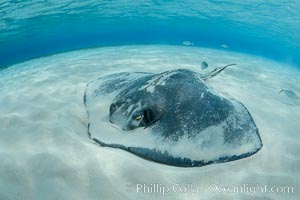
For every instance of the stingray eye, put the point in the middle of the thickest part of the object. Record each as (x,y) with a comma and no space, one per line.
(138,117)
(113,108)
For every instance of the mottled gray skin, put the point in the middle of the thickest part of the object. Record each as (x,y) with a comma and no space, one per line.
(184,105)
(171,105)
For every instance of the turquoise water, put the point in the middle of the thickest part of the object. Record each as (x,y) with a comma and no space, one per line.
(34,28)
(45,151)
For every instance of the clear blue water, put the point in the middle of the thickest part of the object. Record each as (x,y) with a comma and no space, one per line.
(35,28)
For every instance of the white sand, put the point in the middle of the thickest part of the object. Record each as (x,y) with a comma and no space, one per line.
(45,152)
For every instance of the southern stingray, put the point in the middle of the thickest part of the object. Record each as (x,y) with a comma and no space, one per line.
(173,118)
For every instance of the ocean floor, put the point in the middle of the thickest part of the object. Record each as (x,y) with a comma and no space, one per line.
(45,151)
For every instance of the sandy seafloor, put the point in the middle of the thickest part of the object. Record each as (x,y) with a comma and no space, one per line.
(45,152)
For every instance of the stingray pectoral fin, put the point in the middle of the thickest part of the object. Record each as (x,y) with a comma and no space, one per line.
(166,158)
(110,84)
(215,72)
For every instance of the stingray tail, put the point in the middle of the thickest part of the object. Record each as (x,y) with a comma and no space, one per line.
(215,72)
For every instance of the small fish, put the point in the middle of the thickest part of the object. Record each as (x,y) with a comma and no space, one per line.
(224,46)
(204,65)
(187,43)
(289,93)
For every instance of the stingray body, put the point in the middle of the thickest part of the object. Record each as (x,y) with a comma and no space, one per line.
(173,118)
